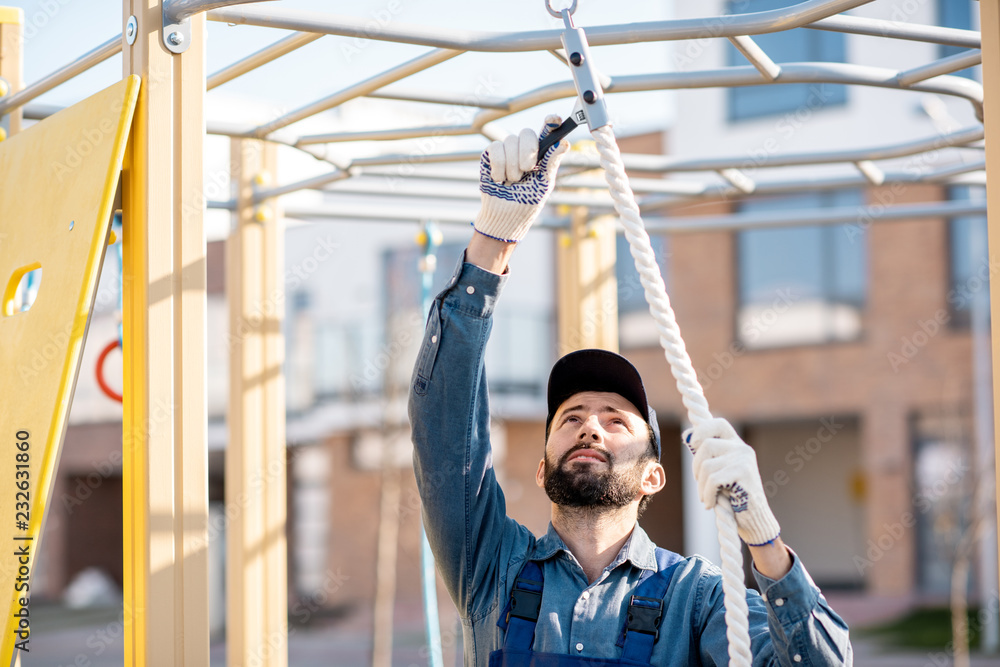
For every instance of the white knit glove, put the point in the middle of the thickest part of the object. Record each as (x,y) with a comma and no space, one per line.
(724,463)
(513,186)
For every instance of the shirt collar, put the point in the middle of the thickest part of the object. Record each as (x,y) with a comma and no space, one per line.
(638,549)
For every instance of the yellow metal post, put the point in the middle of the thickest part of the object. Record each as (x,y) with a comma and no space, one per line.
(256,552)
(587,286)
(11,61)
(990,26)
(164,448)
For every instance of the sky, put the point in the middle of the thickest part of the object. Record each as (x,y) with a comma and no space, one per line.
(60,31)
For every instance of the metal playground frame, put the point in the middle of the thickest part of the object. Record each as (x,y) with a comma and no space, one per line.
(164,259)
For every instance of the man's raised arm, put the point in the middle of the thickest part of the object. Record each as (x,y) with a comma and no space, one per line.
(464,510)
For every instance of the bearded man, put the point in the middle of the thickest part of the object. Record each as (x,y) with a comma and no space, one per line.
(594,590)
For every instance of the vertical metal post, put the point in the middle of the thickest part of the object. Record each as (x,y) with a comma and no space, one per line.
(990,27)
(165,461)
(11,62)
(430,239)
(256,551)
(588,287)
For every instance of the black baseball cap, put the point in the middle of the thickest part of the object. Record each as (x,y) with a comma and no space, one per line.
(599,370)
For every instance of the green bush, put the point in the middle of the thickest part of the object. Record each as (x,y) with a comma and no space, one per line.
(928,628)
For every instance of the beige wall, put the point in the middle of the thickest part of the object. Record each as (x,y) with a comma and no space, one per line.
(811,471)
(907,285)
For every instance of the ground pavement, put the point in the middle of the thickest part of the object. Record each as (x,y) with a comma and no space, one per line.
(94,638)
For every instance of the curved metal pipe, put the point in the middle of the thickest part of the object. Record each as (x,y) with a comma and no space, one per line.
(540,40)
(109,48)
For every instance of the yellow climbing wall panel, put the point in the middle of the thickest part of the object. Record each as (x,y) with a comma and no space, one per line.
(57,187)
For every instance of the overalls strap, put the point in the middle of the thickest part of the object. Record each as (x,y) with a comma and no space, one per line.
(645,609)
(522,608)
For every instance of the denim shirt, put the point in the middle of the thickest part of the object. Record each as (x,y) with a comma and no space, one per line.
(480,550)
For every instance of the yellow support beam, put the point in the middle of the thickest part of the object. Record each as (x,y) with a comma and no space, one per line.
(165,461)
(256,551)
(587,285)
(989,14)
(11,62)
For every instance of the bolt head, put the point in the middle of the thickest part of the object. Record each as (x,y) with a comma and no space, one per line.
(589,97)
(175,38)
(576,58)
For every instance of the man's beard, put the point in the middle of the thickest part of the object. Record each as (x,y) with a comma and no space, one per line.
(592,485)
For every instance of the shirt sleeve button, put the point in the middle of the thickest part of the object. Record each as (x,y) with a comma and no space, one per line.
(579,647)
(434,338)
(797,658)
(470,289)
(779,602)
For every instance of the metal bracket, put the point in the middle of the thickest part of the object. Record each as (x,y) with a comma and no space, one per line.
(131,30)
(176,32)
(585,77)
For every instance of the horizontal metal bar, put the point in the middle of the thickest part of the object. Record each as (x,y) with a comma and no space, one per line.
(225,129)
(40,111)
(413,66)
(312,183)
(665,164)
(179,10)
(109,48)
(945,174)
(541,40)
(860,25)
(813,72)
(415,159)
(729,76)
(353,189)
(756,56)
(389,135)
(953,63)
(380,212)
(680,190)
(863,216)
(748,76)
(262,57)
(442,98)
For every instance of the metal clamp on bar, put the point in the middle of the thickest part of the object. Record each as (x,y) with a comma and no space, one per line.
(588,85)
(590,106)
(176,33)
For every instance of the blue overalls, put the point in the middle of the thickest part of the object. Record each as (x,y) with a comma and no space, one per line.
(638,635)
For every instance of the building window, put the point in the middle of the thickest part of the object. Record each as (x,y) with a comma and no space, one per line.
(797,45)
(955,14)
(801,285)
(636,327)
(969,277)
(631,295)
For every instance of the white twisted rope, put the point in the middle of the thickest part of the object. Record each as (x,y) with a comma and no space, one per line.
(692,395)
